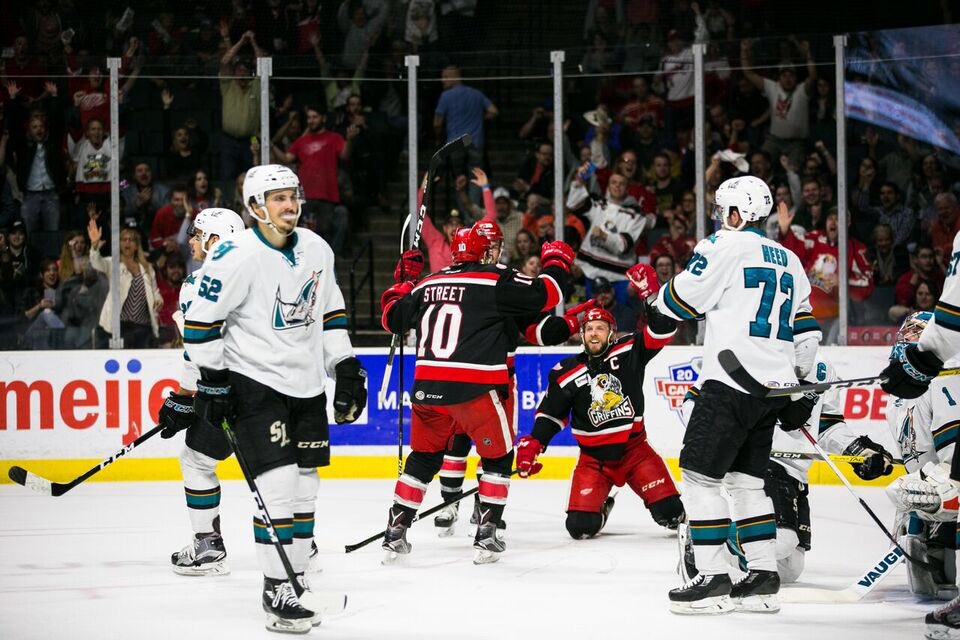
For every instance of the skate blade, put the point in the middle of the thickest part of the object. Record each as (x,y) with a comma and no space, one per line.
(484,556)
(323,603)
(718,605)
(210,569)
(392,558)
(282,625)
(758,604)
(446,532)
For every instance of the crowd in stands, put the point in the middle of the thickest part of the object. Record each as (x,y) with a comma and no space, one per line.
(628,170)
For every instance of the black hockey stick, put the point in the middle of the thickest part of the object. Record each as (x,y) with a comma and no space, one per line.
(800,455)
(731,364)
(49,488)
(863,503)
(312,600)
(423,514)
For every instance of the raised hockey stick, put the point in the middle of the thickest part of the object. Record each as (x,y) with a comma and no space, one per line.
(852,594)
(731,364)
(49,488)
(318,602)
(423,514)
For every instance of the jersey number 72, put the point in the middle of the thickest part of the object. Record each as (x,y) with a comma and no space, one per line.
(765,279)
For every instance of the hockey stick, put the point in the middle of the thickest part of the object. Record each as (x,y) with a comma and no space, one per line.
(856,592)
(323,603)
(49,488)
(731,364)
(863,503)
(423,514)
(799,455)
(442,154)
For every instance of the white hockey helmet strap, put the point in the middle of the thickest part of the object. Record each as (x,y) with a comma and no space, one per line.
(216,221)
(263,179)
(749,194)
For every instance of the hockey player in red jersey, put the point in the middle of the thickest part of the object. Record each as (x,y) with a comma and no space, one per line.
(600,394)
(461,378)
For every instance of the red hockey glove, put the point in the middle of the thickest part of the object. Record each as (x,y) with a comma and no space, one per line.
(643,278)
(409,266)
(570,317)
(528,448)
(556,254)
(390,297)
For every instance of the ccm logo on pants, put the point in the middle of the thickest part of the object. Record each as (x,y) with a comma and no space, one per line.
(316,444)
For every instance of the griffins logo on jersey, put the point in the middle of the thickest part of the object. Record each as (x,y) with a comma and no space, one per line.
(299,313)
(607,400)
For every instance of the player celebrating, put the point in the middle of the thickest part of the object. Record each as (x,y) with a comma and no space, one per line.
(925,429)
(755,297)
(603,390)
(273,287)
(461,379)
(910,372)
(204,444)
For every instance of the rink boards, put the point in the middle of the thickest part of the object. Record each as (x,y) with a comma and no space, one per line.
(61,412)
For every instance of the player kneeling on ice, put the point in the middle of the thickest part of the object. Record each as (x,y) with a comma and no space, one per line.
(267,328)
(755,298)
(925,429)
(461,378)
(205,444)
(787,479)
(602,389)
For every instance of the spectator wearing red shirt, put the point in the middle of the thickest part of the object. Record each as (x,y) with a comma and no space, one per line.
(166,224)
(678,243)
(437,242)
(171,276)
(924,268)
(819,253)
(642,102)
(318,153)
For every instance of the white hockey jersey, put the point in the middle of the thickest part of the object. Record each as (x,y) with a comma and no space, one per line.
(191,372)
(284,313)
(826,421)
(756,299)
(925,428)
(612,255)
(942,334)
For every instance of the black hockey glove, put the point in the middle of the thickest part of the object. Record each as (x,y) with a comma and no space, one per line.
(350,394)
(176,414)
(877,461)
(910,372)
(795,415)
(215,400)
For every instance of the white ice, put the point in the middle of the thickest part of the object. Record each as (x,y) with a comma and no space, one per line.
(95,564)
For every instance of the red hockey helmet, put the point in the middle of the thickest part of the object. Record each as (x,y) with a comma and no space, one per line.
(599,313)
(469,245)
(490,230)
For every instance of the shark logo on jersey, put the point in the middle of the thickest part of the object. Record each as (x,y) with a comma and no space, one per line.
(908,437)
(607,400)
(299,313)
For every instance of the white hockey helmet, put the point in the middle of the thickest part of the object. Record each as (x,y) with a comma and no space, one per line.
(749,194)
(265,178)
(216,222)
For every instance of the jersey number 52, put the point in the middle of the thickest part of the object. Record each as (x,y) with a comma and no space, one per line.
(765,279)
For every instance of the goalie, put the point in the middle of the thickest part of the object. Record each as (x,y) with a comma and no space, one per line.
(925,429)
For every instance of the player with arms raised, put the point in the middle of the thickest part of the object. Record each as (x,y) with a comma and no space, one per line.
(267,328)
(754,295)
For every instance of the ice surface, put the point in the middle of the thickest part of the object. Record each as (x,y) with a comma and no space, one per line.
(95,564)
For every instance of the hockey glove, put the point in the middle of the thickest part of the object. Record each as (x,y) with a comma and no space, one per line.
(390,297)
(570,317)
(528,448)
(643,278)
(795,415)
(215,400)
(350,394)
(557,254)
(409,267)
(176,414)
(929,492)
(910,372)
(877,461)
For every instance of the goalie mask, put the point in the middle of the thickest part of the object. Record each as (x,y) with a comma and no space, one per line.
(264,179)
(909,332)
(215,222)
(751,197)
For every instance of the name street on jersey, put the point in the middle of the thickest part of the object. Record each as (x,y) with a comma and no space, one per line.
(444,293)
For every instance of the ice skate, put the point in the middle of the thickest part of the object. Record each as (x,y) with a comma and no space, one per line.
(757,592)
(606,509)
(284,612)
(488,543)
(475,519)
(705,595)
(687,565)
(395,538)
(206,556)
(446,519)
(944,623)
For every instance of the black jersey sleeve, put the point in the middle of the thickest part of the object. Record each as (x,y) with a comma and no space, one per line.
(553,412)
(519,294)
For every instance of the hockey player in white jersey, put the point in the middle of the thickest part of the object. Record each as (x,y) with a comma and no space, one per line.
(925,429)
(267,328)
(204,446)
(754,295)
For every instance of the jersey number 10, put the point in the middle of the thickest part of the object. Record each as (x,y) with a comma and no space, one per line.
(765,279)
(448,320)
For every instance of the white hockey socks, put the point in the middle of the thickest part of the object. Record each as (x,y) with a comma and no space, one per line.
(202,489)
(304,507)
(278,487)
(756,524)
(708,517)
